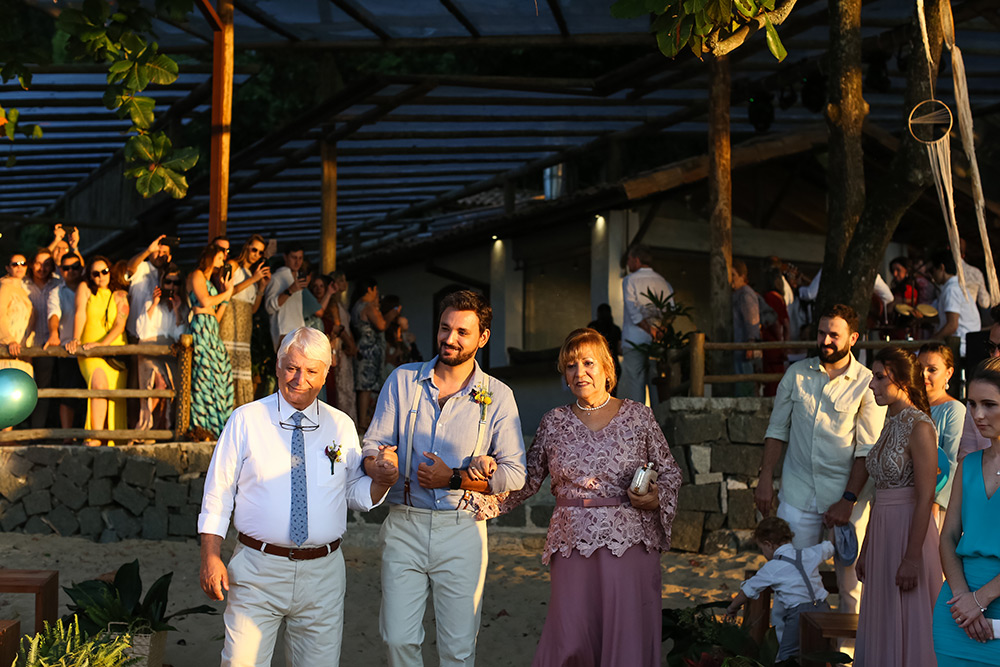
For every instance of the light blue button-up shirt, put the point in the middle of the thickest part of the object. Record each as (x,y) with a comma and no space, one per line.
(449,432)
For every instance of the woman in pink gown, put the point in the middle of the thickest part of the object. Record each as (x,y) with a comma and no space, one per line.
(604,542)
(899,562)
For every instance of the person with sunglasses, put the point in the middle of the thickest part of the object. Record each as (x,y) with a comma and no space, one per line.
(61,310)
(17,315)
(145,269)
(41,282)
(102,310)
(250,277)
(162,323)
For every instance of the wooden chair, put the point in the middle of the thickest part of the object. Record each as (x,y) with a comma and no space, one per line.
(10,637)
(43,584)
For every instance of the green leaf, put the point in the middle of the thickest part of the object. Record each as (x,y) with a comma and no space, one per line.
(96,10)
(129,585)
(133,43)
(182,159)
(11,126)
(141,111)
(36,132)
(773,41)
(137,79)
(119,66)
(149,183)
(697,44)
(139,149)
(671,43)
(162,70)
(118,17)
(767,4)
(25,80)
(665,22)
(73,22)
(719,11)
(702,25)
(154,605)
(746,7)
(174,184)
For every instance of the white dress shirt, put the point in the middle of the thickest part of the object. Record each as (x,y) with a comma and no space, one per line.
(637,306)
(287,317)
(784,578)
(827,424)
(976,284)
(251,472)
(140,292)
(62,303)
(953,300)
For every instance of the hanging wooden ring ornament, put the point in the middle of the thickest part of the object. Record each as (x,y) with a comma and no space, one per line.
(930,121)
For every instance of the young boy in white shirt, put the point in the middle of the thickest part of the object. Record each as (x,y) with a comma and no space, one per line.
(793,575)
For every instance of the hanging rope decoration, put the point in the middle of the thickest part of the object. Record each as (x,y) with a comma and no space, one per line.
(930,124)
(964,112)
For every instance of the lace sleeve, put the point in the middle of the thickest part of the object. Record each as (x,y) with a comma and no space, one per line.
(537,470)
(668,482)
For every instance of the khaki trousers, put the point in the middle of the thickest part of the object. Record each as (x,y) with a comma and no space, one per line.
(442,553)
(265,590)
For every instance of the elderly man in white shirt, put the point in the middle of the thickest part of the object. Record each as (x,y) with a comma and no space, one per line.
(636,329)
(287,468)
(827,415)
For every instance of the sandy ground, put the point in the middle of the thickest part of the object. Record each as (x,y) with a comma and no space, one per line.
(513,609)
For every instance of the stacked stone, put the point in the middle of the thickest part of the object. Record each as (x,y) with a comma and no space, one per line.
(718,443)
(106,494)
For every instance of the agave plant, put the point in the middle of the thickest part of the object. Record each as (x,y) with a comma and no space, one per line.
(64,645)
(98,603)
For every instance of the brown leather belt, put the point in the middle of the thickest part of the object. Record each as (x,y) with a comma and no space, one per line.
(592,502)
(291,554)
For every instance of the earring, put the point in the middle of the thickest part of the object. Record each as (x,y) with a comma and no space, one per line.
(947,385)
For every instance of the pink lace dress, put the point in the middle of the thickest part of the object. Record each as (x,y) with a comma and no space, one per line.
(894,627)
(605,599)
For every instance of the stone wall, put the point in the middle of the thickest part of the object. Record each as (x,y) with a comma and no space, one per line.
(154,491)
(718,444)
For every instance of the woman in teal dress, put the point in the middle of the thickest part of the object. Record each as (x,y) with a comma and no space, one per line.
(964,628)
(211,369)
(938,362)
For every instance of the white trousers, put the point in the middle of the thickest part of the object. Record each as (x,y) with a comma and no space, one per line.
(264,590)
(636,372)
(442,553)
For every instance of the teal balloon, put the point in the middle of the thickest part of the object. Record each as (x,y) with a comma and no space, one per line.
(18,396)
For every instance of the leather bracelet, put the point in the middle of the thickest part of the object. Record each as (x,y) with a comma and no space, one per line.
(982,609)
(850,497)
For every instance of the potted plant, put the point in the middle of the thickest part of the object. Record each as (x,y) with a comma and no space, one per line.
(66,646)
(119,604)
(661,314)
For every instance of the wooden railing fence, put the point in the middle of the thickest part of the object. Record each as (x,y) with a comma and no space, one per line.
(183,350)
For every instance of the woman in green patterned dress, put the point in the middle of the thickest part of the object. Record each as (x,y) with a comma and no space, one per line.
(211,370)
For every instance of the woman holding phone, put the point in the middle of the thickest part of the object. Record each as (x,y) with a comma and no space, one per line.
(250,275)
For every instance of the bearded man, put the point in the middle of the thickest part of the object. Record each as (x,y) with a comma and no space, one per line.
(828,417)
(458,437)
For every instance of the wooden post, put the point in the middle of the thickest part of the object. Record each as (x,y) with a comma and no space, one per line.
(222,114)
(328,215)
(697,364)
(183,401)
(720,191)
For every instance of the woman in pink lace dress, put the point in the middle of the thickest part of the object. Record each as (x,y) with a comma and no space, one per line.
(604,542)
(899,562)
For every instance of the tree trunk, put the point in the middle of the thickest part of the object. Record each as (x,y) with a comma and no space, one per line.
(854,254)
(720,193)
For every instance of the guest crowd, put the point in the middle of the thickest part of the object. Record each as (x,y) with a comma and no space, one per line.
(59,298)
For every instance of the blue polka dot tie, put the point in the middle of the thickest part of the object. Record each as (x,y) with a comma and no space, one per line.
(299,525)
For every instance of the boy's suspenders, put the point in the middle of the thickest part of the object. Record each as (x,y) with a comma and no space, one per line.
(411,425)
(802,572)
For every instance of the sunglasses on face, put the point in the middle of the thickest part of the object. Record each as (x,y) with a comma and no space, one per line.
(102,272)
(70,267)
(255,251)
(18,263)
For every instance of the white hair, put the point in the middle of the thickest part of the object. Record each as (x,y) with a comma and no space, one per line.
(311,343)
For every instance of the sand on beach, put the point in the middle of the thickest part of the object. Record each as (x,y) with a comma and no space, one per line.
(514,604)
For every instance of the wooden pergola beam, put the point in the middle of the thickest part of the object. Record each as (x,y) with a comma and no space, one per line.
(461,18)
(222,114)
(264,20)
(557,14)
(362,17)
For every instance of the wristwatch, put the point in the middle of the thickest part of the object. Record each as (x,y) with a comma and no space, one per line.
(455,483)
(850,497)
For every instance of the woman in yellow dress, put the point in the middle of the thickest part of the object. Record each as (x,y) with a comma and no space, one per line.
(101,313)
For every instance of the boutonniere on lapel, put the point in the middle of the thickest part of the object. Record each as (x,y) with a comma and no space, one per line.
(333,453)
(483,397)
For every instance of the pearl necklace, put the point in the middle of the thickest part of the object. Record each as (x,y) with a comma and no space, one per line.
(596,407)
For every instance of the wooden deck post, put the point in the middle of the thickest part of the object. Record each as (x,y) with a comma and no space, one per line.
(183,401)
(222,114)
(328,215)
(697,364)
(720,192)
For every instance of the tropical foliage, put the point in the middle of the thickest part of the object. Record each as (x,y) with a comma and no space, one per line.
(708,25)
(64,645)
